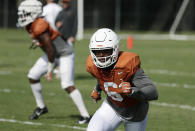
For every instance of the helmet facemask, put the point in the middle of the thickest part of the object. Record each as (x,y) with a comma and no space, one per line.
(107,58)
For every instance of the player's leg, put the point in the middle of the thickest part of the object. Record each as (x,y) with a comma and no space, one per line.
(34,75)
(135,126)
(104,119)
(67,82)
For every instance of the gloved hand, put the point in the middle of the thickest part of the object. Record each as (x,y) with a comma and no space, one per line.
(123,88)
(96,95)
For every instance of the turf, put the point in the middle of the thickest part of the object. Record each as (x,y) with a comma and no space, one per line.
(17,102)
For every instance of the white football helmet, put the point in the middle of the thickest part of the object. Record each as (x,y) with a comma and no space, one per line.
(28,11)
(104,39)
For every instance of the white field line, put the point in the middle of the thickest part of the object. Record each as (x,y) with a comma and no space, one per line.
(175,85)
(184,107)
(5,72)
(164,84)
(20,122)
(155,103)
(162,104)
(5,90)
(152,71)
(167,72)
(41,124)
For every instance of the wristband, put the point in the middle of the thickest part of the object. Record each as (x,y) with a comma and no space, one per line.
(50,67)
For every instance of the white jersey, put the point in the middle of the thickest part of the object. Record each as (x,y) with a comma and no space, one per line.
(50,12)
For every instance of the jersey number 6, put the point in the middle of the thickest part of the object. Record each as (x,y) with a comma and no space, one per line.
(114,95)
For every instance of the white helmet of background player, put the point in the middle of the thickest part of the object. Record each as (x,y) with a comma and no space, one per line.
(102,40)
(28,11)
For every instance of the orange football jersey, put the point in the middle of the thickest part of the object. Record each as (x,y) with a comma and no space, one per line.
(127,64)
(40,26)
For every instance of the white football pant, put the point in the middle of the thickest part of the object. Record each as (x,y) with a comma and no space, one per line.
(66,67)
(106,119)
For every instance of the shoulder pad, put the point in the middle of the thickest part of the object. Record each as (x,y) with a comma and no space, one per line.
(38,27)
(91,67)
(129,61)
(89,64)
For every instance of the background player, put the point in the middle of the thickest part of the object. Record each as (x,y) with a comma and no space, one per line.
(57,51)
(120,76)
(51,11)
(66,21)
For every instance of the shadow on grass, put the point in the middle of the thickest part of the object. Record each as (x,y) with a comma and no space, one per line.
(63,117)
(73,117)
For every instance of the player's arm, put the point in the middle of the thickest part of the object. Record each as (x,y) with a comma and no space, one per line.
(143,87)
(75,25)
(46,40)
(58,20)
(74,29)
(96,93)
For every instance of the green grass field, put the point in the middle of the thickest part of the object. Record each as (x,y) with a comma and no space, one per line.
(170,64)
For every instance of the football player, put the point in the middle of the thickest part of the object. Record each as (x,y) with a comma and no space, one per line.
(50,12)
(120,76)
(57,50)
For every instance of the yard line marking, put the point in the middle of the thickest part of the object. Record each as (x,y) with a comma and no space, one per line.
(71,127)
(5,90)
(185,107)
(164,84)
(168,72)
(175,85)
(163,104)
(5,72)
(151,71)
(20,122)
(41,124)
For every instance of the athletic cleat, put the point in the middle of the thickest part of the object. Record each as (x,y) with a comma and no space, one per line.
(84,120)
(37,112)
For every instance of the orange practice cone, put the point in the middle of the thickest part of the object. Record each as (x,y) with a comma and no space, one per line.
(130,42)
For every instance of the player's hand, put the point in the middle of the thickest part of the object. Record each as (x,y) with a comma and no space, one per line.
(59,24)
(124,88)
(96,95)
(49,76)
(71,39)
(35,42)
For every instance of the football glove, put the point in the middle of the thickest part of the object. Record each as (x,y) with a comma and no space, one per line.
(124,88)
(35,44)
(49,76)
(96,95)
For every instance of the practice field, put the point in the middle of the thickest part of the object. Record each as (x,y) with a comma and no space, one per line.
(170,64)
